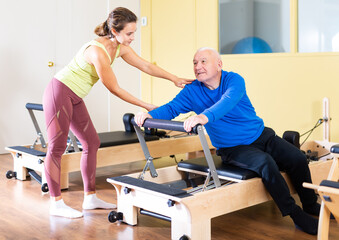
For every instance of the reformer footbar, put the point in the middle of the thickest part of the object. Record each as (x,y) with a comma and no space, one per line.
(175,126)
(72,143)
(30,107)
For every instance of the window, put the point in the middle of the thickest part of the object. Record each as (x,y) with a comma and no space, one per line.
(254,26)
(318,25)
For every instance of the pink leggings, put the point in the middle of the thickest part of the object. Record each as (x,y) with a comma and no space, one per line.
(64,110)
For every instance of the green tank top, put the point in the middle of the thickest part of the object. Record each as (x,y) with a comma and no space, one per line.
(79,75)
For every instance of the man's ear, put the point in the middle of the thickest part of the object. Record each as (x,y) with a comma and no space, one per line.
(219,64)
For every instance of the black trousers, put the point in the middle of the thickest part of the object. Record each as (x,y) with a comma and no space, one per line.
(269,155)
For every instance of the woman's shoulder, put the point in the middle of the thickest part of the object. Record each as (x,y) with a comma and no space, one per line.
(102,47)
(100,42)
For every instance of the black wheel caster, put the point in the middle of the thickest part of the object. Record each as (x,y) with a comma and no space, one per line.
(10,174)
(115,216)
(184,237)
(127,190)
(44,187)
(170,203)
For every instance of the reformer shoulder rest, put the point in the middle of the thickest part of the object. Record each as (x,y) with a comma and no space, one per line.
(225,170)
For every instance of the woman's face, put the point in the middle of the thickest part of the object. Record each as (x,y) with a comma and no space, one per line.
(126,35)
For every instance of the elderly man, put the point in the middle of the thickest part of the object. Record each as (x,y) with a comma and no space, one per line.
(220,101)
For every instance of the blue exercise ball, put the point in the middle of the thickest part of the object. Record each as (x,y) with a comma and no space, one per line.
(251,45)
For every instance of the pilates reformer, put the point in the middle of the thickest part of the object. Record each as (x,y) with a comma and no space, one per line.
(190,194)
(116,147)
(329,193)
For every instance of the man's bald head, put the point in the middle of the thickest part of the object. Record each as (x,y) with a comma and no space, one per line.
(207,67)
(210,50)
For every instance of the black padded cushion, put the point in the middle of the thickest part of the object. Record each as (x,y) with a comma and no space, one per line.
(225,170)
(327,183)
(108,139)
(292,137)
(29,151)
(335,148)
(160,188)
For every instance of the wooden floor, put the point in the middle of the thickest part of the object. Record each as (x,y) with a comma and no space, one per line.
(24,214)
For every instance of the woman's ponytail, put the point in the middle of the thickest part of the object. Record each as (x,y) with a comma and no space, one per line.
(102,30)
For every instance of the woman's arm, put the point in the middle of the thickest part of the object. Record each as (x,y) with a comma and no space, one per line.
(127,53)
(99,59)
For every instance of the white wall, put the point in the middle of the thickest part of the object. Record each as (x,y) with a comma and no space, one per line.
(129,78)
(36,32)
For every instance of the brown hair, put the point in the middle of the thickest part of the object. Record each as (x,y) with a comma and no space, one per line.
(117,20)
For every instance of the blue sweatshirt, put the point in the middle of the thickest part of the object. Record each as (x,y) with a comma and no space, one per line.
(232,120)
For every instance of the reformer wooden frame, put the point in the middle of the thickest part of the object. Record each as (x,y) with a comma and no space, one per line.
(107,156)
(191,216)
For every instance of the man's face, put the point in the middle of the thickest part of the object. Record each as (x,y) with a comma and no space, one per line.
(206,65)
